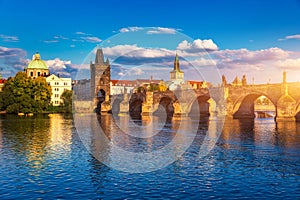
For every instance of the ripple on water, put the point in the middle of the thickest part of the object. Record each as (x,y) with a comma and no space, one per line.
(43,157)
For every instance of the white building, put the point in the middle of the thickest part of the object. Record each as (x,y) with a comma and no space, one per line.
(58,85)
(119,86)
(176,76)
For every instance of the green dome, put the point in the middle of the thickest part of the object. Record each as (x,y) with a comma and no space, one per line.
(37,63)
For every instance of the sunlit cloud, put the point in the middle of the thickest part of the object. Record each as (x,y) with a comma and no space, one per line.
(197,46)
(244,57)
(291,64)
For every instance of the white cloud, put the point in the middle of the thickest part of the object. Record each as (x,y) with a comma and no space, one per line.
(203,62)
(292,64)
(297,36)
(121,74)
(12,60)
(135,71)
(119,50)
(197,45)
(162,30)
(91,39)
(135,51)
(247,57)
(57,64)
(130,29)
(7,38)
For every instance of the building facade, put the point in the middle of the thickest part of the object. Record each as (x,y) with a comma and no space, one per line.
(176,75)
(58,85)
(37,67)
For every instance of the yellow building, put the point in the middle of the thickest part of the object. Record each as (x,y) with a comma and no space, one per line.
(37,67)
(58,85)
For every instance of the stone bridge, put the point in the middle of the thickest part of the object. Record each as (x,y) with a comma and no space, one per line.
(232,101)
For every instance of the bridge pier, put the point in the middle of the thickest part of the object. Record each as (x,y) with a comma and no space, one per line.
(124,106)
(180,109)
(106,105)
(148,106)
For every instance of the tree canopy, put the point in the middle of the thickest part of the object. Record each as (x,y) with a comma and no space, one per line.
(25,94)
(67,101)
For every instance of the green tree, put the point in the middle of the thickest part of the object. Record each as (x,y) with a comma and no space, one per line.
(67,101)
(24,94)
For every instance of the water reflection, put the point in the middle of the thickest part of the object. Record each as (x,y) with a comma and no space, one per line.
(128,152)
(261,132)
(43,157)
(33,138)
(60,132)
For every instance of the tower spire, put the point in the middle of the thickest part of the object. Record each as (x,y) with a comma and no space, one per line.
(176,63)
(99,57)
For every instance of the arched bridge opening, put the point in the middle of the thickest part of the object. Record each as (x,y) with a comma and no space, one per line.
(100,99)
(165,107)
(200,106)
(254,105)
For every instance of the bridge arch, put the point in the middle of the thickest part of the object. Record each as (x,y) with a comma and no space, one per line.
(165,106)
(297,112)
(243,107)
(203,105)
(286,107)
(136,103)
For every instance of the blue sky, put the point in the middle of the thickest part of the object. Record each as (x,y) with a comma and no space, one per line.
(68,30)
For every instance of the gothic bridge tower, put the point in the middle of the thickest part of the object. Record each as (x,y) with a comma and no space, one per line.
(100,79)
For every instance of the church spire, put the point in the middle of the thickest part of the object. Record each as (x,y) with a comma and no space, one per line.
(107,61)
(99,57)
(176,63)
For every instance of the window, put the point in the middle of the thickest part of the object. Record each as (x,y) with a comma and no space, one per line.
(56,83)
(56,89)
(31,73)
(56,95)
(65,83)
(39,73)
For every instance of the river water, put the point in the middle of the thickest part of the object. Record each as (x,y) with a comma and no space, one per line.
(50,157)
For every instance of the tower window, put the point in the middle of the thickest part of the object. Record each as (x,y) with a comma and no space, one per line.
(39,73)
(31,73)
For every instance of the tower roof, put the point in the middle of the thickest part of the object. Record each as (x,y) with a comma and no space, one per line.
(37,63)
(99,57)
(176,63)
